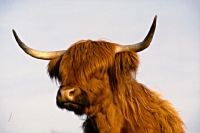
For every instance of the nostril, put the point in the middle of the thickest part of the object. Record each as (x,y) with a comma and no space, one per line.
(67,93)
(71,92)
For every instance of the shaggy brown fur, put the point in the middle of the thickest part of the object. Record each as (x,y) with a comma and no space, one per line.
(117,103)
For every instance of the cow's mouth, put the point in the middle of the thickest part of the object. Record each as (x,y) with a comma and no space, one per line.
(72,106)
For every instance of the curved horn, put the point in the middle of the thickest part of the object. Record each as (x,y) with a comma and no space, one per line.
(35,53)
(142,45)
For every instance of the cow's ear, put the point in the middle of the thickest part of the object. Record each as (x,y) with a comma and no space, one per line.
(53,68)
(126,62)
(124,66)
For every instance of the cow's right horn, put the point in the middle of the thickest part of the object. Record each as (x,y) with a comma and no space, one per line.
(142,45)
(38,54)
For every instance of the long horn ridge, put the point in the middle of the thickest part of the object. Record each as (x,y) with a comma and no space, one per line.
(35,53)
(142,45)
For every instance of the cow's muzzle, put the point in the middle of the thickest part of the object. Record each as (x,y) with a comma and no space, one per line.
(72,99)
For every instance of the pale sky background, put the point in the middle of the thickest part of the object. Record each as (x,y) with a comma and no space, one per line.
(171,65)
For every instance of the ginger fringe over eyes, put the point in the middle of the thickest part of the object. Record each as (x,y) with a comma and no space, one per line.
(86,59)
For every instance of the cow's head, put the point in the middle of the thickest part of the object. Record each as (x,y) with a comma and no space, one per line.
(90,72)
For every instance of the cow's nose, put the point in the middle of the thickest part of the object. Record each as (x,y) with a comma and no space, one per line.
(68,93)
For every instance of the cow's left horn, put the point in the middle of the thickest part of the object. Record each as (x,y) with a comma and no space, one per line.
(38,54)
(142,45)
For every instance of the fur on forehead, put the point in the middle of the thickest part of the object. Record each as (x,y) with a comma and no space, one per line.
(86,59)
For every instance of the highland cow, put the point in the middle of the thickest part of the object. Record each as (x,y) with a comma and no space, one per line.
(97,80)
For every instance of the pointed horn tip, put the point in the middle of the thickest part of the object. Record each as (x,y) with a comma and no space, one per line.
(13,31)
(15,34)
(155,19)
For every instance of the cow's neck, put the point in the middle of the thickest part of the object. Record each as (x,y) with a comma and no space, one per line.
(108,120)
